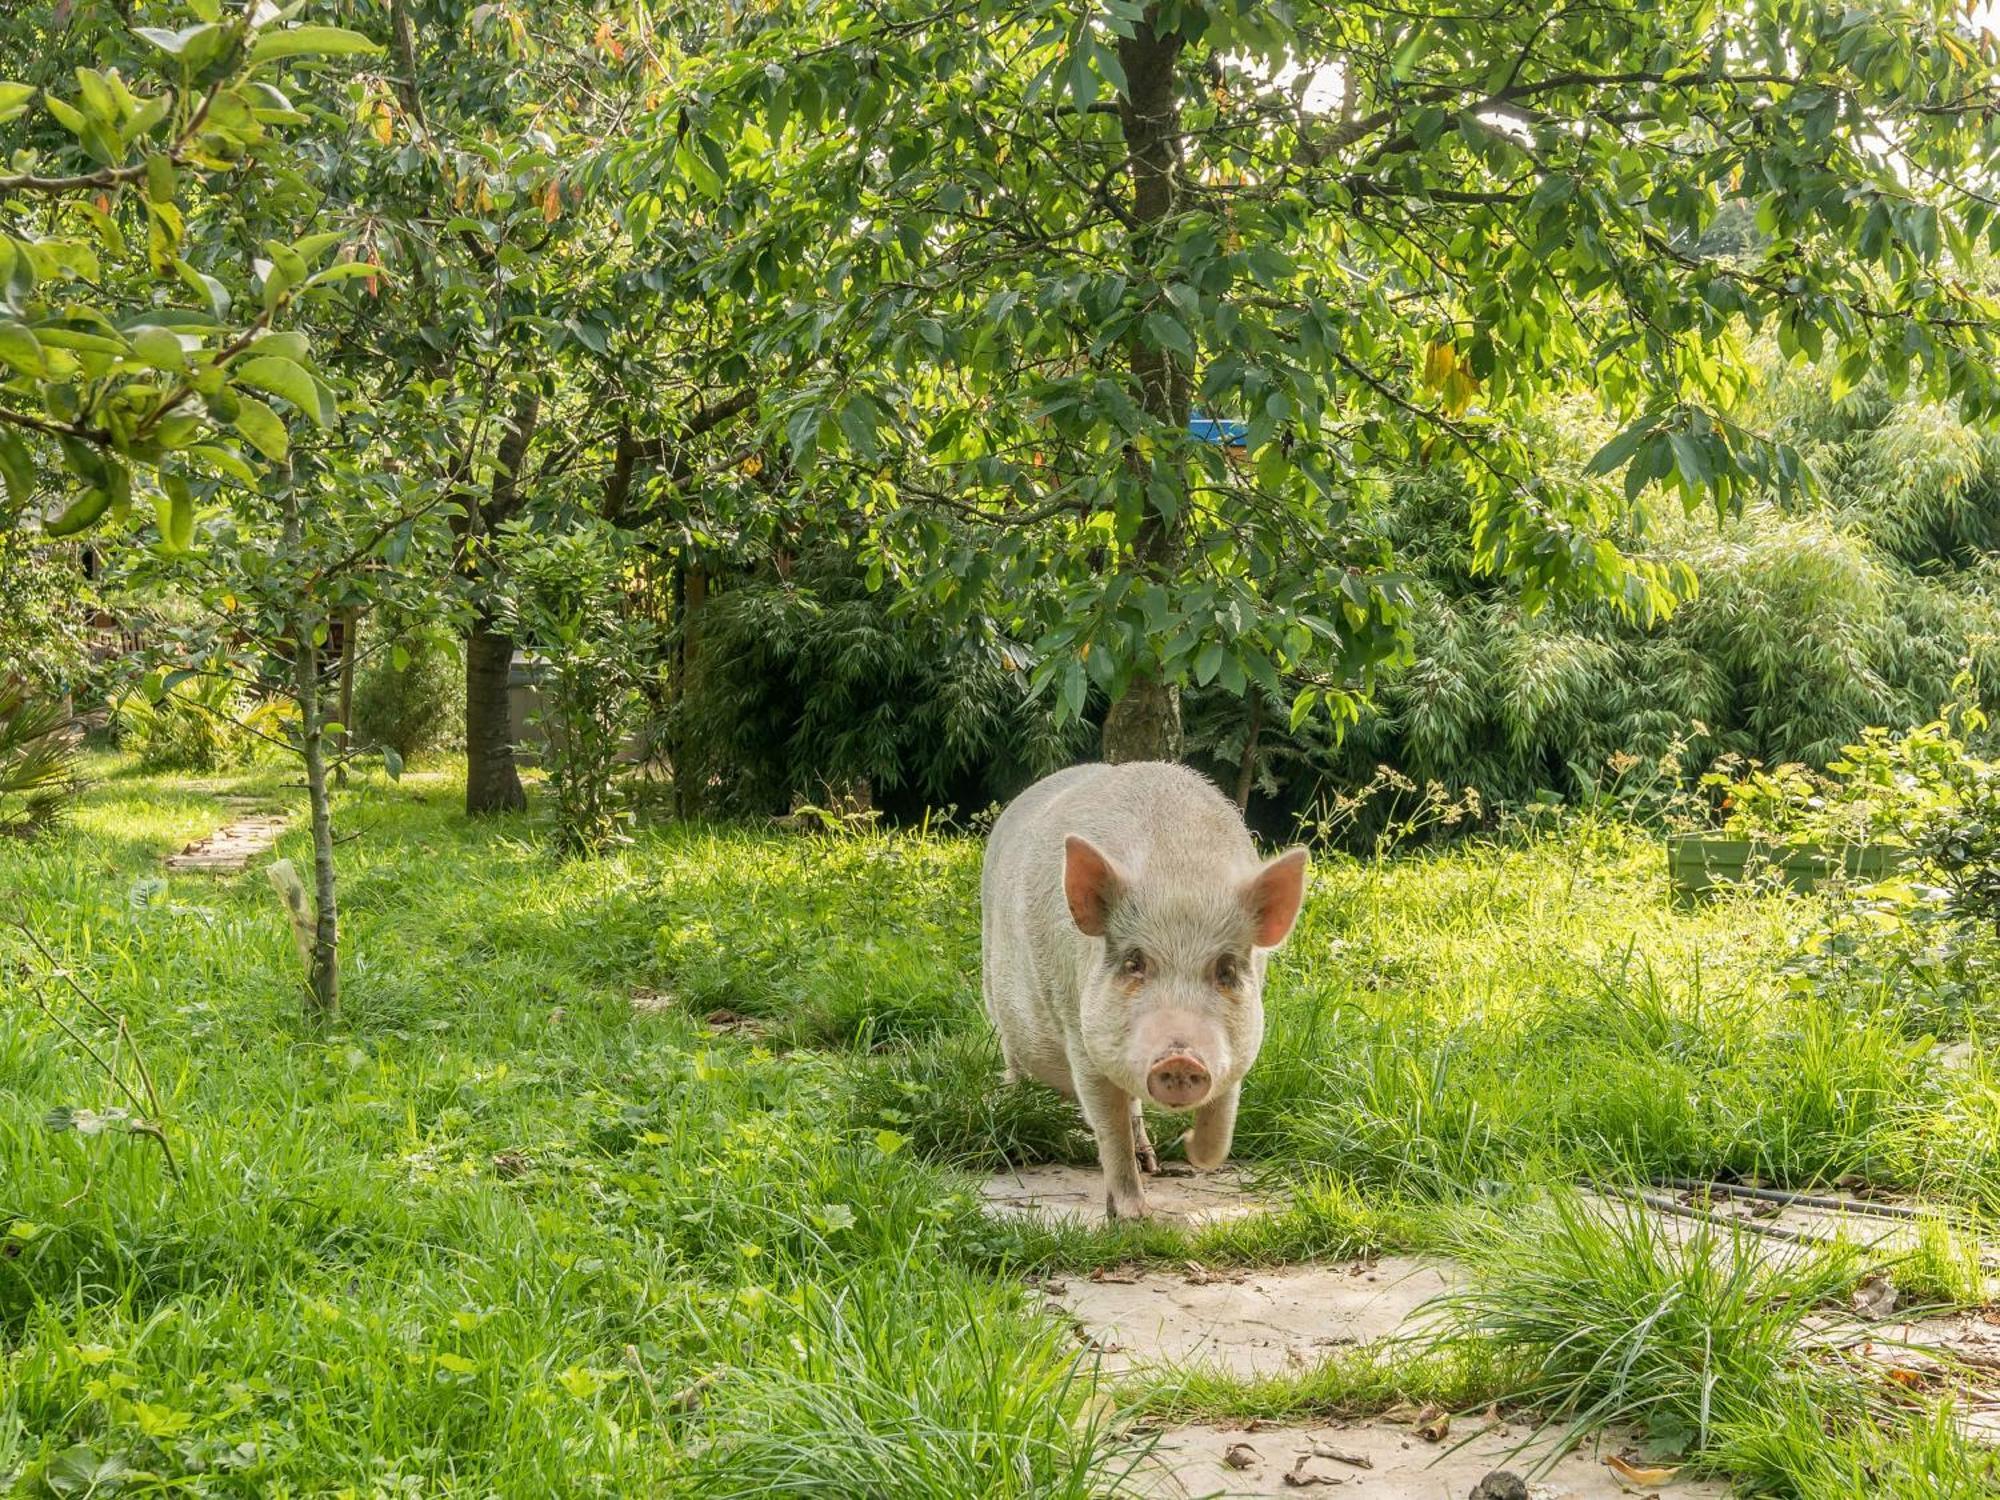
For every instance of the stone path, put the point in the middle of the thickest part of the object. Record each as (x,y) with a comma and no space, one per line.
(1252,1323)
(1263,1459)
(1249,1323)
(1075,1195)
(230,848)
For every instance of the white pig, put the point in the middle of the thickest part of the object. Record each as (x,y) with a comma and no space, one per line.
(1125,923)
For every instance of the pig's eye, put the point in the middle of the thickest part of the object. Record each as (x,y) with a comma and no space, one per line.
(1133,965)
(1228,972)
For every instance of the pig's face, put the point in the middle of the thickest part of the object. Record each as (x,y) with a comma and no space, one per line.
(1172,1010)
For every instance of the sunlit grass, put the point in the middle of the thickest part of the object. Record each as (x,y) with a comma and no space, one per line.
(481,1237)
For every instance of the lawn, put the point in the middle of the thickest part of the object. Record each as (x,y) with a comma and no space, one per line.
(502,1233)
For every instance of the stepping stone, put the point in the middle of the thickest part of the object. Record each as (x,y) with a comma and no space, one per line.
(1075,1195)
(230,848)
(1249,1323)
(1772,1230)
(1197,1461)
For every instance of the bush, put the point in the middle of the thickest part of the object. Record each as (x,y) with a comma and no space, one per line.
(1815,618)
(202,723)
(43,635)
(37,760)
(416,707)
(568,601)
(812,682)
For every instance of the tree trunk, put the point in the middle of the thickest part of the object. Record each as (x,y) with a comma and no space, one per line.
(323,978)
(492,782)
(1246,768)
(350,643)
(1145,723)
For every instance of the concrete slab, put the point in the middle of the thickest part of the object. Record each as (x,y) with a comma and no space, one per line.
(1075,1195)
(1250,1323)
(1386,1460)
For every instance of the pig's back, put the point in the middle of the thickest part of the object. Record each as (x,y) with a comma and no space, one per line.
(1153,818)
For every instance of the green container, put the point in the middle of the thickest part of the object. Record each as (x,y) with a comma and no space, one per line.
(1698,863)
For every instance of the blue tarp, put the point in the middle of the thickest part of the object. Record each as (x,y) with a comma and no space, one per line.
(1216,430)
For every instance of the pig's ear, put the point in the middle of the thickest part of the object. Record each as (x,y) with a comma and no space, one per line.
(1091,884)
(1274,895)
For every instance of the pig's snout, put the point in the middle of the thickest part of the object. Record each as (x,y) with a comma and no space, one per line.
(1178,1081)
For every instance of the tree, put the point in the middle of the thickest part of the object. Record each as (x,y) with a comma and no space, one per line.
(999,253)
(139,338)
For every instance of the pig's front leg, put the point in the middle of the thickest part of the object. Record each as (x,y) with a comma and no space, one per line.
(1108,1109)
(1214,1127)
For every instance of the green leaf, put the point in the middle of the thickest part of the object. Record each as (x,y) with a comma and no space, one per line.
(66,115)
(158,348)
(177,522)
(1164,332)
(17,469)
(1615,453)
(262,428)
(81,514)
(311,41)
(225,460)
(281,377)
(19,348)
(173,43)
(392,763)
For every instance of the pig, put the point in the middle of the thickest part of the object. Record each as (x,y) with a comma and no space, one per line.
(1126,920)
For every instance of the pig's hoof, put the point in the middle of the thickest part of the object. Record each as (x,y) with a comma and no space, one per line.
(1196,1158)
(1133,1208)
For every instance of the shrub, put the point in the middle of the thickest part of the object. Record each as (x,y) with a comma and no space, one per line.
(43,636)
(202,723)
(568,600)
(815,681)
(37,760)
(415,706)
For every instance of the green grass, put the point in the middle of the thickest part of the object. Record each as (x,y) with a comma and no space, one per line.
(481,1238)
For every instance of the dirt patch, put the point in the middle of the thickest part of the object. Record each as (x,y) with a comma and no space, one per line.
(1075,1195)
(1250,1323)
(230,848)
(1379,1460)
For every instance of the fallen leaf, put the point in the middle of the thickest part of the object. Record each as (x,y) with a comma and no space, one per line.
(511,1163)
(1297,1478)
(1239,1456)
(1875,1296)
(1113,1278)
(1433,1424)
(1630,1473)
(1904,1376)
(1341,1456)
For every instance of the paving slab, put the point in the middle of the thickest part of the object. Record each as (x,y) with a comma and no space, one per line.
(1250,1322)
(1384,1460)
(229,850)
(1059,1194)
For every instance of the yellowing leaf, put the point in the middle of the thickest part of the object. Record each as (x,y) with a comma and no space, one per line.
(1630,1473)
(1440,363)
